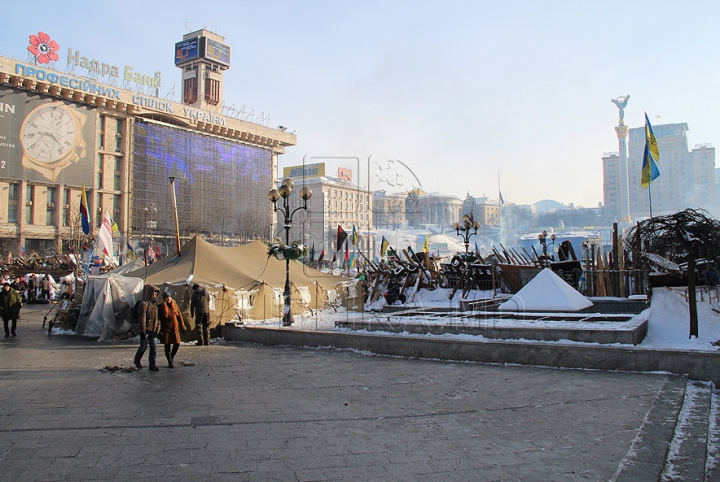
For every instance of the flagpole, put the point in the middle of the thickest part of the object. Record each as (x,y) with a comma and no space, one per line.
(650,198)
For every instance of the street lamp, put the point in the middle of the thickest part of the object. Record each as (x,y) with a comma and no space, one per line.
(463,229)
(542,237)
(284,192)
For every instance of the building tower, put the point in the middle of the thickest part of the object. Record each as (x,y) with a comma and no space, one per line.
(203,57)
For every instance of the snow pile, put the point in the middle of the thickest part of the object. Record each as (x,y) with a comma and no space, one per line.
(669,321)
(546,292)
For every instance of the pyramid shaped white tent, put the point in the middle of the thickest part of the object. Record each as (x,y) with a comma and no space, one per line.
(546,292)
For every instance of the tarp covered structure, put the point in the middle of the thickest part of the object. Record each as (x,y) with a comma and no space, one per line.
(546,292)
(106,306)
(243,281)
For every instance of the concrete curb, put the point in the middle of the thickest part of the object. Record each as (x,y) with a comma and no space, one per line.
(698,365)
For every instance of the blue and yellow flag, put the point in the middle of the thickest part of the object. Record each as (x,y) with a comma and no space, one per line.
(354,236)
(84,212)
(650,170)
(426,246)
(650,140)
(384,246)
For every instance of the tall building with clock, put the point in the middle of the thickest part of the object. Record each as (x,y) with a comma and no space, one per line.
(105,127)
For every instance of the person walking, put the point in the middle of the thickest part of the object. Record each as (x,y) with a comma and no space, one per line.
(200,310)
(172,324)
(19,286)
(45,287)
(148,326)
(10,304)
(32,288)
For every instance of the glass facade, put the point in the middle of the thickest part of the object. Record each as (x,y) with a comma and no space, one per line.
(217,181)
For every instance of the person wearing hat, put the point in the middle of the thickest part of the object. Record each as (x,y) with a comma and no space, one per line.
(148,326)
(172,324)
(10,304)
(200,310)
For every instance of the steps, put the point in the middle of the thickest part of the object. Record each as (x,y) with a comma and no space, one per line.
(693,452)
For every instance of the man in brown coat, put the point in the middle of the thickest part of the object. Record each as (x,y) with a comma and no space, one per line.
(148,326)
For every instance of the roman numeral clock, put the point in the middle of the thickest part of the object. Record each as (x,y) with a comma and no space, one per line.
(51,139)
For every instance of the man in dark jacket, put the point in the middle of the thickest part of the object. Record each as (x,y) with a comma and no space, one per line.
(200,309)
(10,304)
(32,288)
(45,288)
(148,326)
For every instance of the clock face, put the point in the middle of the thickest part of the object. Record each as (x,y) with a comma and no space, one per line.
(49,133)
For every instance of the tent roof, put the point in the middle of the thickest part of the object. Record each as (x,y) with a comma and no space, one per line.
(239,267)
(546,292)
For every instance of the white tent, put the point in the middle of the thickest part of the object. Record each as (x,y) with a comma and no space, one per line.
(106,307)
(546,292)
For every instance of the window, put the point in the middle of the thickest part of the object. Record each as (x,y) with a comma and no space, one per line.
(29,204)
(13,196)
(100,171)
(50,211)
(66,208)
(118,135)
(101,133)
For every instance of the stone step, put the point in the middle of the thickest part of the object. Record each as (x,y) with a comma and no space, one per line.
(687,454)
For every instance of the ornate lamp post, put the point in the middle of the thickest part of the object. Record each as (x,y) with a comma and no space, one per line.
(284,192)
(542,237)
(463,229)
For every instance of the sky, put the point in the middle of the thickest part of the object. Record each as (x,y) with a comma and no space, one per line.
(466,95)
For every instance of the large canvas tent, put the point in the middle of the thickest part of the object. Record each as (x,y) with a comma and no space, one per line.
(243,281)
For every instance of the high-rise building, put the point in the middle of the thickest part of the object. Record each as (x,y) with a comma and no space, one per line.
(687,176)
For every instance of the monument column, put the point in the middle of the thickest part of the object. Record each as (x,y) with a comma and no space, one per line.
(623,191)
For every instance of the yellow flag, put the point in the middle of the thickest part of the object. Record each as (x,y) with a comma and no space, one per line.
(426,247)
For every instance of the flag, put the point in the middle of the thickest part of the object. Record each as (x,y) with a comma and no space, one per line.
(157,252)
(352,261)
(384,246)
(354,236)
(502,200)
(341,237)
(105,242)
(113,226)
(347,252)
(84,212)
(651,141)
(426,246)
(650,170)
(150,254)
(22,250)
(130,252)
(322,255)
(334,259)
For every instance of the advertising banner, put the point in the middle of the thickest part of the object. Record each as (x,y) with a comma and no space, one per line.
(44,140)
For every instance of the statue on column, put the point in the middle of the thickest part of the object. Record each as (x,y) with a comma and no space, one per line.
(621,102)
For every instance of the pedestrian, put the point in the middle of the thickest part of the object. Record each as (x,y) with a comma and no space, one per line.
(200,310)
(172,324)
(393,293)
(32,288)
(45,287)
(10,304)
(148,326)
(18,285)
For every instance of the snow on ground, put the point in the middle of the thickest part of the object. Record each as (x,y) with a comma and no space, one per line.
(668,318)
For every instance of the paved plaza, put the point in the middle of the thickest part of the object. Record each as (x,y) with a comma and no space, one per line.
(249,412)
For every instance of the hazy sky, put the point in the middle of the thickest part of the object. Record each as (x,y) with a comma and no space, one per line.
(459,91)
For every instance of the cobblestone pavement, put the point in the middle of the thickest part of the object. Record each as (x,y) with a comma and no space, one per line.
(246,412)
